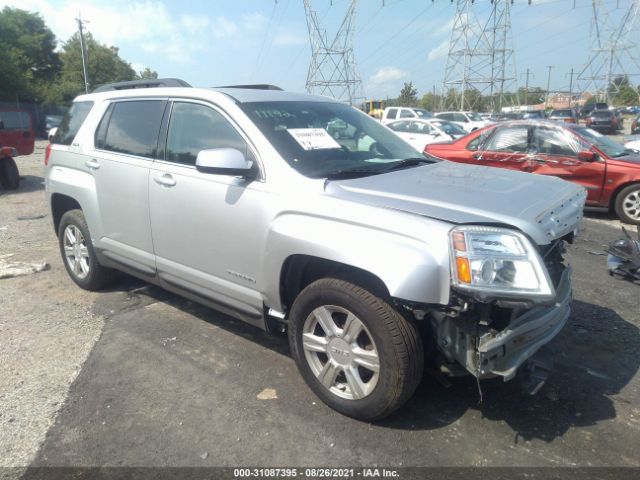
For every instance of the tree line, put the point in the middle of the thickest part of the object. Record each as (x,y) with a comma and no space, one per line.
(32,70)
(621,93)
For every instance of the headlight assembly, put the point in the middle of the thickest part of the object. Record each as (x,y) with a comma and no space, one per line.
(498,261)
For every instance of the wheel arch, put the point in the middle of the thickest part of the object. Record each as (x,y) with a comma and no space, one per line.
(60,204)
(299,271)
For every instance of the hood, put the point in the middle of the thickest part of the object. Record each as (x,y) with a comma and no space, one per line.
(545,208)
(631,158)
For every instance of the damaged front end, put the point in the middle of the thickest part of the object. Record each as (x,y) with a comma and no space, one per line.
(509,299)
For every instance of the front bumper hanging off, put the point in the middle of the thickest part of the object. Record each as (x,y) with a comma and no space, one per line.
(503,353)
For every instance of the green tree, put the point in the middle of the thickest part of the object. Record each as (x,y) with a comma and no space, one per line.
(147,73)
(408,96)
(431,102)
(28,58)
(104,65)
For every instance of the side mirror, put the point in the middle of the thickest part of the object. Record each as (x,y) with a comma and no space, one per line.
(586,156)
(225,161)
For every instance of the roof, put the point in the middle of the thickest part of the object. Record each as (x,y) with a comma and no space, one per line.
(245,95)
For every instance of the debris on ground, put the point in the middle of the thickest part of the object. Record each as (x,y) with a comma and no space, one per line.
(32,217)
(268,394)
(204,455)
(624,257)
(15,269)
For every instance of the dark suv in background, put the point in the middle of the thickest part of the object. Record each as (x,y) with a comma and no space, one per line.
(604,120)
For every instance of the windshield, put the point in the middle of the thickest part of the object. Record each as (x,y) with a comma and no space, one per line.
(422,113)
(602,114)
(321,139)
(474,117)
(602,142)
(449,128)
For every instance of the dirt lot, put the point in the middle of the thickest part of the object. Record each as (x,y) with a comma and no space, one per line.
(136,376)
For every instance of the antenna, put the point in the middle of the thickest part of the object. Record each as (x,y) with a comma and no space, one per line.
(332,70)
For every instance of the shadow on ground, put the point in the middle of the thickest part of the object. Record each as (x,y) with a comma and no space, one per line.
(28,183)
(595,357)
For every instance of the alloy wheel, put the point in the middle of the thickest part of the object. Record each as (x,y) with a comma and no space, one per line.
(76,251)
(341,352)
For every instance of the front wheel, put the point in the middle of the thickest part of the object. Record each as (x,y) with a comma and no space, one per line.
(627,204)
(9,175)
(355,351)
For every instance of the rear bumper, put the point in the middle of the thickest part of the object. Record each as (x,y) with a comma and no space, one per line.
(503,353)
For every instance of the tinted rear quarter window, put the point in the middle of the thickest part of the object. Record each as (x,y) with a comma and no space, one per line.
(391,114)
(72,122)
(133,128)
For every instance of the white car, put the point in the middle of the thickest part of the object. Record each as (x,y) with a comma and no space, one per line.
(470,121)
(633,143)
(392,114)
(423,132)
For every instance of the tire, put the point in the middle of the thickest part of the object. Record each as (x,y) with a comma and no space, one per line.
(374,358)
(74,240)
(9,174)
(627,204)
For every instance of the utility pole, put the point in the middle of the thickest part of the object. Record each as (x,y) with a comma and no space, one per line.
(570,88)
(546,100)
(526,86)
(83,53)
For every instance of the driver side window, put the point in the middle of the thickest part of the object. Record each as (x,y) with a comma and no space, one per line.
(509,139)
(194,127)
(554,142)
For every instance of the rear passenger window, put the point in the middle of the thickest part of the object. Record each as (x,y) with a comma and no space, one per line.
(391,114)
(72,122)
(133,128)
(195,127)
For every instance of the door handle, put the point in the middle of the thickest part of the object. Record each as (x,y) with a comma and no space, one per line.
(93,164)
(165,179)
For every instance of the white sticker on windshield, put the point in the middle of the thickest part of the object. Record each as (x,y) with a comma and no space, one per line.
(313,138)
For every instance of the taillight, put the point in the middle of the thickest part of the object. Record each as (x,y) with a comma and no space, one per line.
(47,153)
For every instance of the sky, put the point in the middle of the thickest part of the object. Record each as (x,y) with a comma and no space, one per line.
(222,42)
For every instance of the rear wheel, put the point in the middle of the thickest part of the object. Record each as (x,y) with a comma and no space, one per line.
(357,353)
(627,204)
(9,175)
(78,254)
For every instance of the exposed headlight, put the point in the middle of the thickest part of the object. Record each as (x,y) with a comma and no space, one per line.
(498,261)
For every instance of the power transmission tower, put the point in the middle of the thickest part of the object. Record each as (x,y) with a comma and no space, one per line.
(332,70)
(613,54)
(481,61)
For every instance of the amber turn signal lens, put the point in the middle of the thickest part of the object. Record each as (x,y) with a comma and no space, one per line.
(464,271)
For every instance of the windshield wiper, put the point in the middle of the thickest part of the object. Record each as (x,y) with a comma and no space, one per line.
(358,172)
(407,163)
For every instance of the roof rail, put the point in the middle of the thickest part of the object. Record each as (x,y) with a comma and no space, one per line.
(146,83)
(260,86)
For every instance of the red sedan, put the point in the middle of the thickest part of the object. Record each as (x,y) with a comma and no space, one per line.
(609,172)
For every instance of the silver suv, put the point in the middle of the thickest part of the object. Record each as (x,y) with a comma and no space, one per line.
(367,252)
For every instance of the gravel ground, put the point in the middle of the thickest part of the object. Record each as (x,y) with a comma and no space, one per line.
(47,327)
